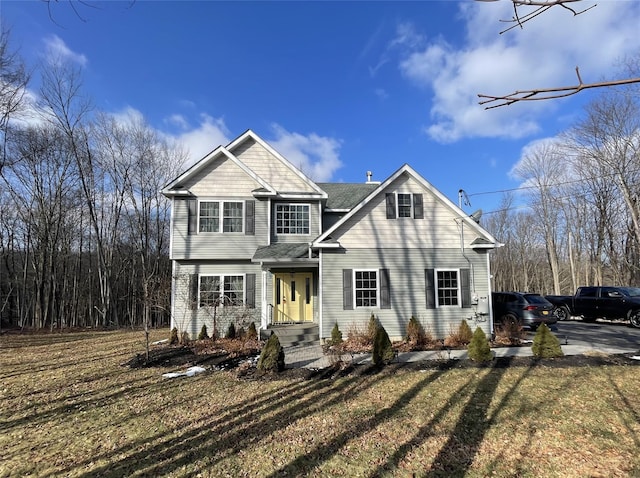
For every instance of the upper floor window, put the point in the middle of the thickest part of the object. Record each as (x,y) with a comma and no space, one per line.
(292,219)
(404,205)
(211,219)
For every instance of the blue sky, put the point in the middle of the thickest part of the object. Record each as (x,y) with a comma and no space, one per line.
(338,88)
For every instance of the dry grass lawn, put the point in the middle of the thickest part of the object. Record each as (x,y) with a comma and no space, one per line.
(69,408)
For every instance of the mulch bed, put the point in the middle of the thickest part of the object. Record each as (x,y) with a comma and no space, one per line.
(243,365)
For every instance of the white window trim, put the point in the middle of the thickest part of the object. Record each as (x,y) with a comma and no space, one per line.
(398,205)
(355,299)
(436,288)
(275,215)
(221,216)
(222,276)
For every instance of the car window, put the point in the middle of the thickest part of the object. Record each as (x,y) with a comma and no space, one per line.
(631,291)
(536,299)
(588,292)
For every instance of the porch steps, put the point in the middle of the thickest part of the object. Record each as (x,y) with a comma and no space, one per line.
(291,335)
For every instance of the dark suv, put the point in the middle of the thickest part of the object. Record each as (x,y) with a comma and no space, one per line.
(527,309)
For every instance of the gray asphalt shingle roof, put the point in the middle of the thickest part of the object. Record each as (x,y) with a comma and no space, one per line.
(297,250)
(346,195)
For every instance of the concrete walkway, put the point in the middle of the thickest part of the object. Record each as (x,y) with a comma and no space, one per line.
(312,356)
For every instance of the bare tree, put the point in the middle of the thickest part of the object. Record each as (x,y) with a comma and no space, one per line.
(527,10)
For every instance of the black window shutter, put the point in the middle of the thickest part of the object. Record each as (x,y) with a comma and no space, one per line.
(385,289)
(192,206)
(250,218)
(465,287)
(430,288)
(193,291)
(347,289)
(391,206)
(418,212)
(251,291)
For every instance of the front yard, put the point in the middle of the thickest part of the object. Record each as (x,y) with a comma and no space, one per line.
(69,408)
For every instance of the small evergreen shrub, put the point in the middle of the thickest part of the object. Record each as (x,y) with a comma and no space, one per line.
(416,336)
(241,333)
(231,331)
(545,344)
(173,338)
(203,333)
(336,335)
(479,350)
(184,338)
(382,349)
(272,356)
(372,328)
(252,333)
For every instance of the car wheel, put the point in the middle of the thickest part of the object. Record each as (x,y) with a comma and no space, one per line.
(634,318)
(562,313)
(508,319)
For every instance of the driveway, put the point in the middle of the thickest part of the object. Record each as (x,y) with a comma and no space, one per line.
(601,334)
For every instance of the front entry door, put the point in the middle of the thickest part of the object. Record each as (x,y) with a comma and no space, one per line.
(293,297)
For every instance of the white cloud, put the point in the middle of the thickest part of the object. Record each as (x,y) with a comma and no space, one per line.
(316,156)
(205,137)
(57,51)
(542,54)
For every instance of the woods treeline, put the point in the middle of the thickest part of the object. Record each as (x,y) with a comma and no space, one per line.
(84,230)
(580,224)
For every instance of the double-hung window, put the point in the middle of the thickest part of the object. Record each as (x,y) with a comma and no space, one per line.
(221,216)
(215,290)
(447,287)
(366,288)
(292,219)
(401,205)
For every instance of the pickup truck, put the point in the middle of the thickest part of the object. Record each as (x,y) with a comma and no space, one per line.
(592,303)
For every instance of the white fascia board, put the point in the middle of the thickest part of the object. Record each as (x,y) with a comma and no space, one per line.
(250,134)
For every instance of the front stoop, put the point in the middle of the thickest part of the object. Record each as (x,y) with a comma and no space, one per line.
(291,335)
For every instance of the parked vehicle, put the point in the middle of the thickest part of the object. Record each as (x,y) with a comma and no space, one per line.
(524,308)
(591,303)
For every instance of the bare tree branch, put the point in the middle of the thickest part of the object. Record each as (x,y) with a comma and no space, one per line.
(540,7)
(548,93)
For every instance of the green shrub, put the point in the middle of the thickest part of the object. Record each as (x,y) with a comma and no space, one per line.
(416,336)
(464,332)
(545,344)
(382,349)
(203,333)
(336,335)
(252,333)
(372,328)
(479,350)
(231,331)
(173,338)
(184,337)
(272,356)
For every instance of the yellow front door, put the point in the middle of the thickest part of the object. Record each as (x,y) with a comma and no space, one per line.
(293,297)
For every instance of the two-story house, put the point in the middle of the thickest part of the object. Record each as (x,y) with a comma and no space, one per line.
(254,239)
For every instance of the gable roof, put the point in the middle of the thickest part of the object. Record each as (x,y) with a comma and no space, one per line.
(324,240)
(343,197)
(176,188)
